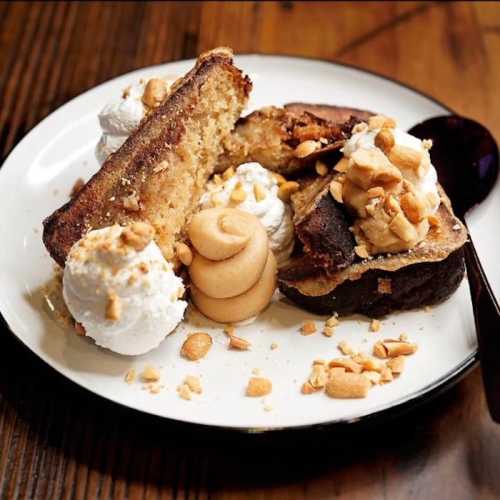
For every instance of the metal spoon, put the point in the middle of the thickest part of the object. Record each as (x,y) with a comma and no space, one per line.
(466,158)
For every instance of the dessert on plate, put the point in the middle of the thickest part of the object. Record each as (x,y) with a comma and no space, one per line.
(336,207)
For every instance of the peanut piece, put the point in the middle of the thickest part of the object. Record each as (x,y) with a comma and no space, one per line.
(196,346)
(287,189)
(321,168)
(396,365)
(405,157)
(348,385)
(258,386)
(154,93)
(184,253)
(306,148)
(259,192)
(193,383)
(113,306)
(336,191)
(308,328)
(347,364)
(150,374)
(238,343)
(385,140)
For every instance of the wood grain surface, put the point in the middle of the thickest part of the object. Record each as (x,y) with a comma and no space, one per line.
(58,440)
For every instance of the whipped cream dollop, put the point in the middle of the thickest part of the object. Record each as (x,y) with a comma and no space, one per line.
(122,116)
(123,292)
(425,181)
(388,181)
(259,190)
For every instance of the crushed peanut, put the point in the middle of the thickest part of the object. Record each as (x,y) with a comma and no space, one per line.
(308,328)
(184,253)
(374,377)
(259,191)
(274,346)
(193,383)
(184,392)
(375,325)
(332,321)
(318,376)
(287,189)
(307,388)
(238,195)
(361,251)
(150,374)
(345,348)
(258,386)
(138,235)
(113,306)
(196,346)
(130,376)
(238,343)
(228,173)
(321,168)
(306,148)
(279,178)
(396,365)
(229,330)
(154,92)
(336,191)
(385,140)
(348,385)
(346,363)
(328,331)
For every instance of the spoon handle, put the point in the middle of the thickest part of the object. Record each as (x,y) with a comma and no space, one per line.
(487,319)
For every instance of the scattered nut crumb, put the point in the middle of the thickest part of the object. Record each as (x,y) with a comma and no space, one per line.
(308,328)
(348,385)
(150,374)
(321,168)
(307,388)
(258,386)
(228,173)
(259,191)
(229,330)
(184,392)
(396,365)
(274,346)
(287,189)
(184,253)
(345,348)
(375,325)
(347,364)
(332,321)
(361,251)
(113,306)
(328,331)
(306,148)
(196,346)
(403,337)
(130,376)
(239,343)
(374,377)
(193,383)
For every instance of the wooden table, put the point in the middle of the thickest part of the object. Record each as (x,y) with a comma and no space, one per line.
(59,441)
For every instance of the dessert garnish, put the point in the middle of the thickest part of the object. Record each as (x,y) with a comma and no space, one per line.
(120,289)
(255,190)
(233,271)
(122,116)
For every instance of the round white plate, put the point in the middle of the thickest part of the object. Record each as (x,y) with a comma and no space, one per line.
(37,178)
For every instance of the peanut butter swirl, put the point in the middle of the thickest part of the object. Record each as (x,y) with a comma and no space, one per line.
(233,271)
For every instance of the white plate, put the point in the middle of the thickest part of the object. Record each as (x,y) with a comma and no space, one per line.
(37,178)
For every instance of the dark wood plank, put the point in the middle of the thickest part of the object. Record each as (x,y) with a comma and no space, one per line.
(59,441)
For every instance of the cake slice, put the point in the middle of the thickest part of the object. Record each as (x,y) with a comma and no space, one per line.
(271,136)
(425,275)
(160,172)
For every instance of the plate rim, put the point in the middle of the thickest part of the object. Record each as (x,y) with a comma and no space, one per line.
(384,412)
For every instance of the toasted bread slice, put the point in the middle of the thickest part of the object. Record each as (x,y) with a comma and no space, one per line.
(270,135)
(161,170)
(422,276)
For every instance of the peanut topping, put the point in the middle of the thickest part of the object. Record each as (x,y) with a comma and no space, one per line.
(287,189)
(184,392)
(336,191)
(321,168)
(308,328)
(348,385)
(113,306)
(238,343)
(306,148)
(345,348)
(196,346)
(259,192)
(228,173)
(130,376)
(258,387)
(193,383)
(184,253)
(279,178)
(396,364)
(238,194)
(405,157)
(361,251)
(138,235)
(390,348)
(385,140)
(154,92)
(150,374)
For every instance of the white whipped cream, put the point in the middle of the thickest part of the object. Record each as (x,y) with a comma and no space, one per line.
(425,184)
(274,215)
(120,117)
(146,286)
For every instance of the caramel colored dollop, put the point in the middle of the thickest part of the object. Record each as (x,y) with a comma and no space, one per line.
(233,271)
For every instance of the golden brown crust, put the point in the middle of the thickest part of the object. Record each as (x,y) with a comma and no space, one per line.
(444,239)
(271,136)
(124,188)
